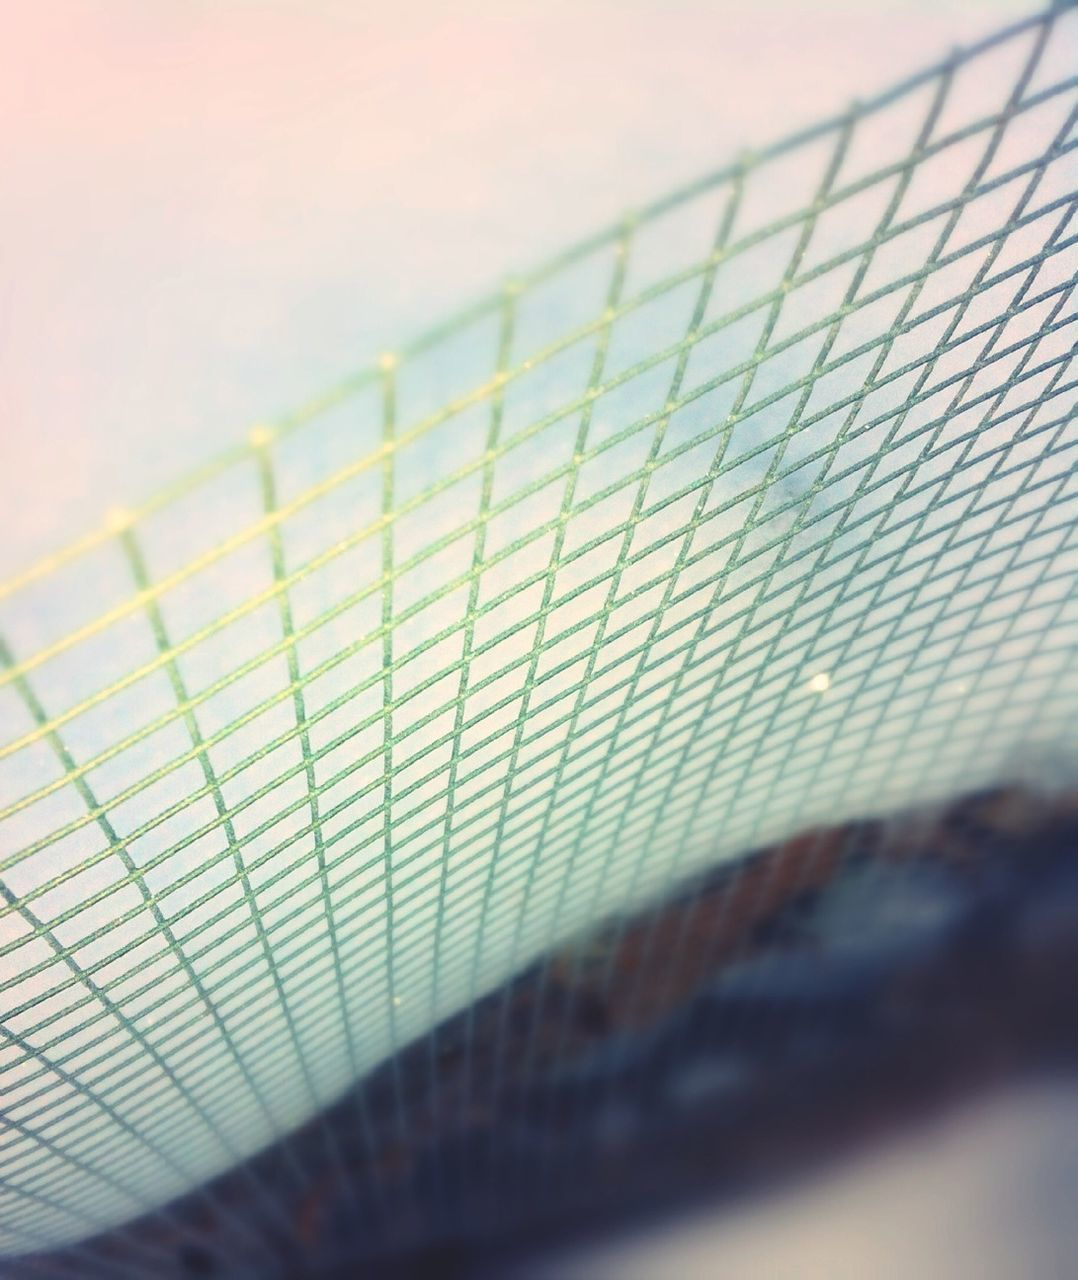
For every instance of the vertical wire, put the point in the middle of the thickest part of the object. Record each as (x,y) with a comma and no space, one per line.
(389,426)
(721,238)
(505,342)
(261,440)
(617,280)
(141,576)
(961,310)
(901,186)
(82,975)
(714,472)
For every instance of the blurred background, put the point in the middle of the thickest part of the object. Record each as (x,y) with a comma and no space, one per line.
(984,1190)
(215,208)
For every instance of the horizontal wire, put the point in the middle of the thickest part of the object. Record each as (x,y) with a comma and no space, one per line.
(749,161)
(447,539)
(367,866)
(150,863)
(500,380)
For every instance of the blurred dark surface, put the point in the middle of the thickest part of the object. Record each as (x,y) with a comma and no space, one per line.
(800,1003)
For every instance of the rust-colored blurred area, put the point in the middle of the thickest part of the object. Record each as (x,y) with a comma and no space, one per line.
(793,1004)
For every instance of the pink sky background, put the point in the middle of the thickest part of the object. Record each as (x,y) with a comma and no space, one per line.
(213,209)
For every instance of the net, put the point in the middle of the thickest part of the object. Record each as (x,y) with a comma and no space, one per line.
(753,512)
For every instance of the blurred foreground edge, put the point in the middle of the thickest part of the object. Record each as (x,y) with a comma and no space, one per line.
(779,1010)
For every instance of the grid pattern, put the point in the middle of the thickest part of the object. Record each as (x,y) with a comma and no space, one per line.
(754,511)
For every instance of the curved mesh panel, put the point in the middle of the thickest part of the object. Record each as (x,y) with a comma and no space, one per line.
(751,514)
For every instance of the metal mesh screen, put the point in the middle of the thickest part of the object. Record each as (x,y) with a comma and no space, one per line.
(752,512)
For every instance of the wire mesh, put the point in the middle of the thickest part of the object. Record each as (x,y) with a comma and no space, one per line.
(754,511)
